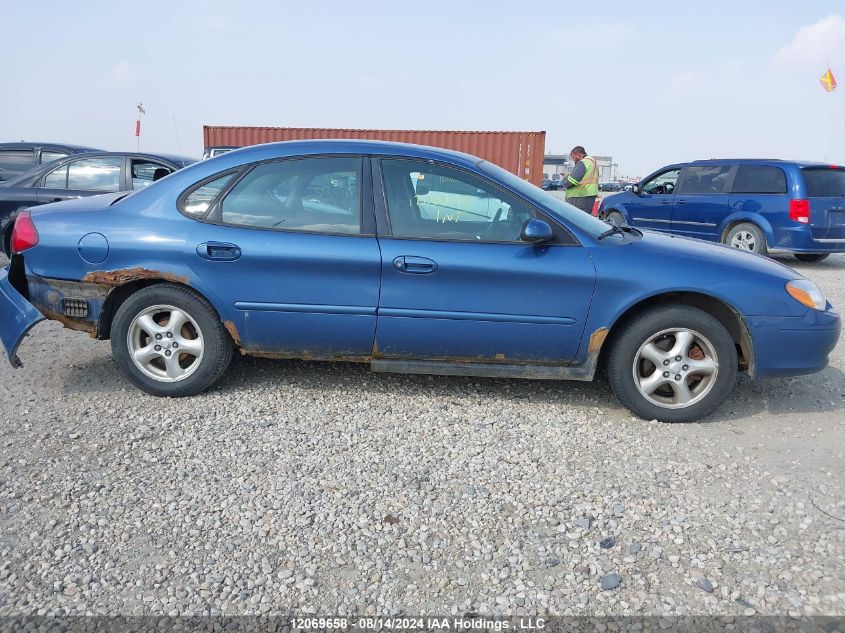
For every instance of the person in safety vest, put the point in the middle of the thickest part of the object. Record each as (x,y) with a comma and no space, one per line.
(582,183)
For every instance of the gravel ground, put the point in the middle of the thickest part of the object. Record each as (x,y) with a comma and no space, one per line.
(325,488)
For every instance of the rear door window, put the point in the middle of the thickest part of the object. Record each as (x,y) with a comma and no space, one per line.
(759,179)
(703,179)
(825,182)
(49,157)
(16,159)
(95,174)
(309,194)
(145,173)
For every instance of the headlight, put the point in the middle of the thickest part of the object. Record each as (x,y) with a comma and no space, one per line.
(807,293)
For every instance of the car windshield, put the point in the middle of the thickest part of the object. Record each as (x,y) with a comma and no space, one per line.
(584,221)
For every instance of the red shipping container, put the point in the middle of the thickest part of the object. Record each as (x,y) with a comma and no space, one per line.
(520,153)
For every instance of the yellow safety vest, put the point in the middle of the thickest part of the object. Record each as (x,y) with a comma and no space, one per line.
(589,185)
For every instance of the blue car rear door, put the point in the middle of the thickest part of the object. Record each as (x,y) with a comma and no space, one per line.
(290,250)
(458,285)
(702,199)
(651,206)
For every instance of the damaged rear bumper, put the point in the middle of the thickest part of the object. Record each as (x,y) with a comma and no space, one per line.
(17,317)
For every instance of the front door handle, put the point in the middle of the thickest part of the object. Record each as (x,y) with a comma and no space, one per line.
(219,251)
(414,265)
(664,201)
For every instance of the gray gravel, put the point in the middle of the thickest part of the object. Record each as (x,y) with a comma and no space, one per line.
(325,488)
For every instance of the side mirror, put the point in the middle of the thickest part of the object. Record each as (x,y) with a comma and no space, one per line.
(536,231)
(636,189)
(422,190)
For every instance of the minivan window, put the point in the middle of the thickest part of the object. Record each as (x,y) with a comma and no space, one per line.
(759,179)
(661,184)
(825,182)
(699,179)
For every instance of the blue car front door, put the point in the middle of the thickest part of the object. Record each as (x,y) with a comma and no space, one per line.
(458,285)
(651,206)
(290,252)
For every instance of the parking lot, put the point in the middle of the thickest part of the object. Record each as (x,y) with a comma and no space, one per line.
(295,485)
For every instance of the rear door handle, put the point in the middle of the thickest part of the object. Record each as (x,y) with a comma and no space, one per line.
(414,265)
(219,251)
(682,201)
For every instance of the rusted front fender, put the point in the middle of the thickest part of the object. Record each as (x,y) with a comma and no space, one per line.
(17,317)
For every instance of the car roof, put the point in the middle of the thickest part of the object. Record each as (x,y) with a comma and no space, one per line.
(32,144)
(282,149)
(759,161)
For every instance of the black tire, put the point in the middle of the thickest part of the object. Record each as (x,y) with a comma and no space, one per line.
(615,218)
(760,246)
(811,257)
(635,333)
(217,344)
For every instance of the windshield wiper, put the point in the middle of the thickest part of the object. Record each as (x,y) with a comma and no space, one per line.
(621,230)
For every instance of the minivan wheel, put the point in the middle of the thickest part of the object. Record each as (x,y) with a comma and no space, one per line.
(674,364)
(169,341)
(614,218)
(811,257)
(747,237)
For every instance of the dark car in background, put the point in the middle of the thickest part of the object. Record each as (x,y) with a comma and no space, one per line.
(16,158)
(753,204)
(81,175)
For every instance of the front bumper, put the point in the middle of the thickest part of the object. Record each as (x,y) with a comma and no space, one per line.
(793,346)
(17,317)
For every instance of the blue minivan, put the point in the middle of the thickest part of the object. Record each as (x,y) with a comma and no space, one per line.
(755,205)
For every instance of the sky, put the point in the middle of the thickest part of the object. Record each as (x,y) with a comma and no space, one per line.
(648,83)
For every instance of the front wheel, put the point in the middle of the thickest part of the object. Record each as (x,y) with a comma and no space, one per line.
(811,257)
(614,218)
(747,237)
(169,341)
(675,364)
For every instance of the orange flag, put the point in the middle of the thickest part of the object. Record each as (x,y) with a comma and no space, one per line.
(828,81)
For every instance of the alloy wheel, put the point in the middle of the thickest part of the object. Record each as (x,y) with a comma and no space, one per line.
(675,368)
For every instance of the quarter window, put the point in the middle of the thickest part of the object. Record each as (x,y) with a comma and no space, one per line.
(759,179)
(95,174)
(197,202)
(825,183)
(429,201)
(705,179)
(309,194)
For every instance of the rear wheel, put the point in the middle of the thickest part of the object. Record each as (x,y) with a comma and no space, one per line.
(614,218)
(675,364)
(811,257)
(169,341)
(747,237)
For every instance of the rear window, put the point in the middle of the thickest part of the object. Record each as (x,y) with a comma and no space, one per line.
(825,182)
(759,179)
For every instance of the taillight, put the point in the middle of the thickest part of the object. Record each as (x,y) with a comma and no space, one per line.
(799,211)
(24,235)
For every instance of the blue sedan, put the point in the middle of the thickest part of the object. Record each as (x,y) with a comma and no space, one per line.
(411,259)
